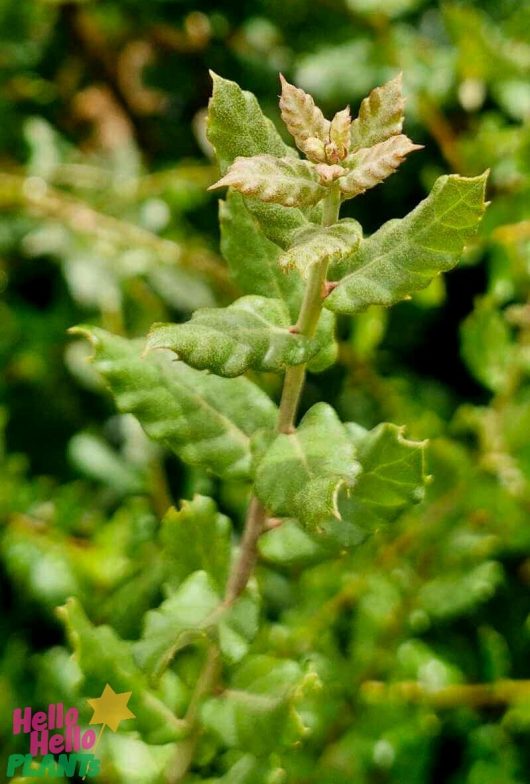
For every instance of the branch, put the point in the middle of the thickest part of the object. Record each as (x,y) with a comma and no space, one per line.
(476,695)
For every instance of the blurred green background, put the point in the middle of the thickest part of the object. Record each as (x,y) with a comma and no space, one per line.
(105,219)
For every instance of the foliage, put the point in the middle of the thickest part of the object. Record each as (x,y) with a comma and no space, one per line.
(367,622)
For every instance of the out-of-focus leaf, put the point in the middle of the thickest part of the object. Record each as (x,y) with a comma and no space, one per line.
(196,537)
(103,658)
(486,346)
(256,712)
(98,460)
(453,595)
(182,619)
(190,615)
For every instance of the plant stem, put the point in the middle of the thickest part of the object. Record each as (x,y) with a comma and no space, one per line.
(256,516)
(244,565)
(307,322)
(203,687)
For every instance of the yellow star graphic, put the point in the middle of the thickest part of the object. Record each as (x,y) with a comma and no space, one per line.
(111,708)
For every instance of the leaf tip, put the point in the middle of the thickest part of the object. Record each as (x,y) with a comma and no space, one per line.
(85,331)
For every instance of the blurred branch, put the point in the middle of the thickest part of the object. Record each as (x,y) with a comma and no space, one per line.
(512,232)
(441,131)
(478,695)
(35,195)
(90,43)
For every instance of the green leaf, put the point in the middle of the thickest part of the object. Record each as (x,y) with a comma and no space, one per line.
(190,615)
(238,127)
(130,761)
(253,262)
(286,181)
(103,658)
(252,333)
(247,770)
(455,594)
(371,165)
(487,347)
(196,537)
(95,458)
(340,481)
(239,625)
(381,115)
(253,258)
(182,619)
(301,473)
(315,244)
(257,712)
(392,478)
(291,545)
(404,255)
(206,420)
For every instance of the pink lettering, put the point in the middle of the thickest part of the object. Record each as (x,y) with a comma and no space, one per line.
(21,724)
(88,739)
(38,743)
(56,744)
(38,721)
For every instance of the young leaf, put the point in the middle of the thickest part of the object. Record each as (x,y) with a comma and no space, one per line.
(103,657)
(286,181)
(313,245)
(305,122)
(405,255)
(381,115)
(238,127)
(340,134)
(252,333)
(372,165)
(206,420)
(392,478)
(196,537)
